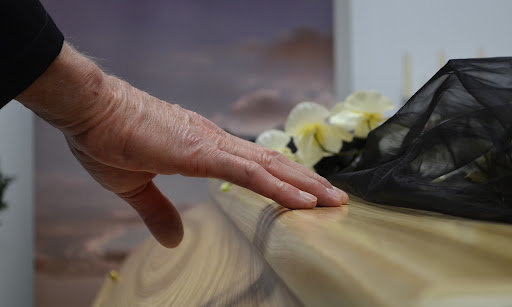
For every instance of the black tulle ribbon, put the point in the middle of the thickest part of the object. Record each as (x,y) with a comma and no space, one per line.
(448,149)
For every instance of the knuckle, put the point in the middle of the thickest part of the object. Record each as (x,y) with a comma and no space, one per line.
(278,190)
(194,142)
(251,169)
(193,113)
(275,155)
(176,106)
(267,158)
(196,146)
(279,156)
(280,186)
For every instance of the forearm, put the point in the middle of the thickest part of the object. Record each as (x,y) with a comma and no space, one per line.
(69,93)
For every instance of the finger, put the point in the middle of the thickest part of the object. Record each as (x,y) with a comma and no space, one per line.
(233,144)
(253,176)
(329,197)
(250,150)
(157,212)
(281,167)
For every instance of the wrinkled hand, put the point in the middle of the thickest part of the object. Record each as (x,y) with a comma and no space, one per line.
(124,137)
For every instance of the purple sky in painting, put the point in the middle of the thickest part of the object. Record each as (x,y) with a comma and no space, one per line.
(189,52)
(188,23)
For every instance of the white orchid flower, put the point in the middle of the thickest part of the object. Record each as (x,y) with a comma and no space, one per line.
(313,137)
(361,112)
(276,140)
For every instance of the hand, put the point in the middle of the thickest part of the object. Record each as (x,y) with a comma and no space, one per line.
(124,137)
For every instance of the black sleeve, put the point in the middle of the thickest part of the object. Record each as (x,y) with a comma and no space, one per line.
(29,42)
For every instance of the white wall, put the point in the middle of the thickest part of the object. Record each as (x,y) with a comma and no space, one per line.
(16,228)
(381,32)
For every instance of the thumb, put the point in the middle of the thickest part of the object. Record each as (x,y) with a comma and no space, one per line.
(158,213)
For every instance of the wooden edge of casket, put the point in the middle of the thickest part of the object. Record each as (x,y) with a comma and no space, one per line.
(368,254)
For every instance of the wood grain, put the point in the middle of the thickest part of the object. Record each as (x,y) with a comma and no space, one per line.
(213,266)
(371,255)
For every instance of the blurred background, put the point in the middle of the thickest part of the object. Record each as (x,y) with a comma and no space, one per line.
(244,65)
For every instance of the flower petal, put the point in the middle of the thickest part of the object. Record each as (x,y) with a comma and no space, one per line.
(333,137)
(362,129)
(368,102)
(304,114)
(340,106)
(308,152)
(274,139)
(347,120)
(375,121)
(331,141)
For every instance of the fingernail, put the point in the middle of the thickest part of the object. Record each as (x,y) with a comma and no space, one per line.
(345,196)
(342,196)
(336,194)
(308,197)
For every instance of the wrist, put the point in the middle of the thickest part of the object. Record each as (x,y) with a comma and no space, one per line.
(68,93)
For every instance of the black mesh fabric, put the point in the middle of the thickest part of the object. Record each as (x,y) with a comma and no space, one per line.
(448,149)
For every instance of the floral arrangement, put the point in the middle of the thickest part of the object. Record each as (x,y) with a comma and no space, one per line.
(312,132)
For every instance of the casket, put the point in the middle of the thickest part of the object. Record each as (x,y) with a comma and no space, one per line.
(244,250)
